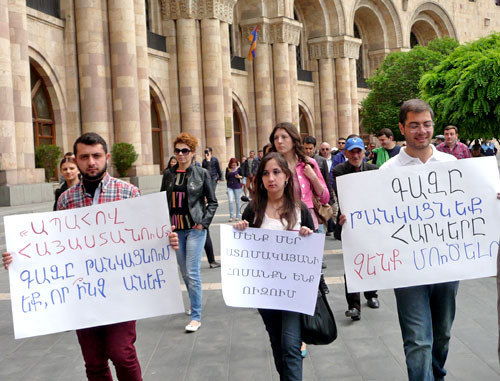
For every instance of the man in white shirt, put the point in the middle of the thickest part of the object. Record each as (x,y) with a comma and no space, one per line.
(425,312)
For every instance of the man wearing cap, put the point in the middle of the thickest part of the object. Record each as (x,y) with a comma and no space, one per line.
(439,139)
(355,154)
(451,144)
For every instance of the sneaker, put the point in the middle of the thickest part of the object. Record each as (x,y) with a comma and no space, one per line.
(193,326)
(188,312)
(230,220)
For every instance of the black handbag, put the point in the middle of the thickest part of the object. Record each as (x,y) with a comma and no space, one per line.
(319,329)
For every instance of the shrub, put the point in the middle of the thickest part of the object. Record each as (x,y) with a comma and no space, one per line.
(47,156)
(123,155)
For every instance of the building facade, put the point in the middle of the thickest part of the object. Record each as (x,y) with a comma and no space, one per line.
(142,71)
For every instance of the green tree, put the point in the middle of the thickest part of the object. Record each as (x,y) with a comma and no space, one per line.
(464,90)
(47,156)
(397,80)
(123,155)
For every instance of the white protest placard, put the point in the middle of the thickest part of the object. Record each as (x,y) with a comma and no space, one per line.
(420,224)
(270,269)
(86,267)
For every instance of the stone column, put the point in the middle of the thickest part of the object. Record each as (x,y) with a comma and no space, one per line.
(344,49)
(282,82)
(354,95)
(327,94)
(212,87)
(263,100)
(187,61)
(124,77)
(344,106)
(284,35)
(294,88)
(91,50)
(21,90)
(321,49)
(143,87)
(8,161)
(228,92)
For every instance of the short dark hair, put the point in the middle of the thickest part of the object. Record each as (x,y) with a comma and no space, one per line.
(385,131)
(450,127)
(91,139)
(416,106)
(309,140)
(210,149)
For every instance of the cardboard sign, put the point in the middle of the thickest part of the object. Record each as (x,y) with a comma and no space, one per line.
(270,269)
(86,267)
(420,224)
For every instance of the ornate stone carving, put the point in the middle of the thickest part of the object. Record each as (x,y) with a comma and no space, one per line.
(285,30)
(279,29)
(198,9)
(247,27)
(321,47)
(346,47)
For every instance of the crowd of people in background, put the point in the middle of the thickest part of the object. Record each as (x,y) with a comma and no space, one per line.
(285,180)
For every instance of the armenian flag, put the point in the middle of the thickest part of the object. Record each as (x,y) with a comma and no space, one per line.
(253,44)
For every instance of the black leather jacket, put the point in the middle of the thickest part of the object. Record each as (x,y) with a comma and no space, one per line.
(199,187)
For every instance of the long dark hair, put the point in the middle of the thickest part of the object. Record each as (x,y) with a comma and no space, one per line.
(291,130)
(258,204)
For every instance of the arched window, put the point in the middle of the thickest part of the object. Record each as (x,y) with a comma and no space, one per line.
(156,134)
(359,62)
(238,136)
(304,125)
(43,115)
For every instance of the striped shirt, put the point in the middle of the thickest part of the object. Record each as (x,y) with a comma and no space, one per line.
(111,189)
(460,150)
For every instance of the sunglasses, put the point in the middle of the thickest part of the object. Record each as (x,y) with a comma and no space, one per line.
(184,151)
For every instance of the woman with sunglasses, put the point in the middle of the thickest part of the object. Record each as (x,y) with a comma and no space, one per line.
(276,206)
(187,187)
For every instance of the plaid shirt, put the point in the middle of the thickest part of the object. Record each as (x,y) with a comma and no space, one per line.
(112,189)
(460,151)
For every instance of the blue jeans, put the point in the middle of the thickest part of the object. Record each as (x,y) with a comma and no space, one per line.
(284,331)
(191,244)
(234,195)
(426,315)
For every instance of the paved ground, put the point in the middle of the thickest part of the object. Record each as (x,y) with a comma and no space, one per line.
(233,344)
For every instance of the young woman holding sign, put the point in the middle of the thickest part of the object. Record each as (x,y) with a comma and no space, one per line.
(187,187)
(275,206)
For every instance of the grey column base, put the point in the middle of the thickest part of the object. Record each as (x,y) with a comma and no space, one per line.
(147,184)
(12,195)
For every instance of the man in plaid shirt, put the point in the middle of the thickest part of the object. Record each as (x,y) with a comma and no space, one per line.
(451,144)
(113,341)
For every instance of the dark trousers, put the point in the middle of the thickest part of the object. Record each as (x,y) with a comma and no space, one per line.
(114,342)
(331,225)
(209,248)
(284,331)
(354,298)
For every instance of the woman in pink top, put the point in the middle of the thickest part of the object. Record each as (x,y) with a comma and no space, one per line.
(307,177)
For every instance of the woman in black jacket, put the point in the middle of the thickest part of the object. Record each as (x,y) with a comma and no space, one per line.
(275,206)
(187,187)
